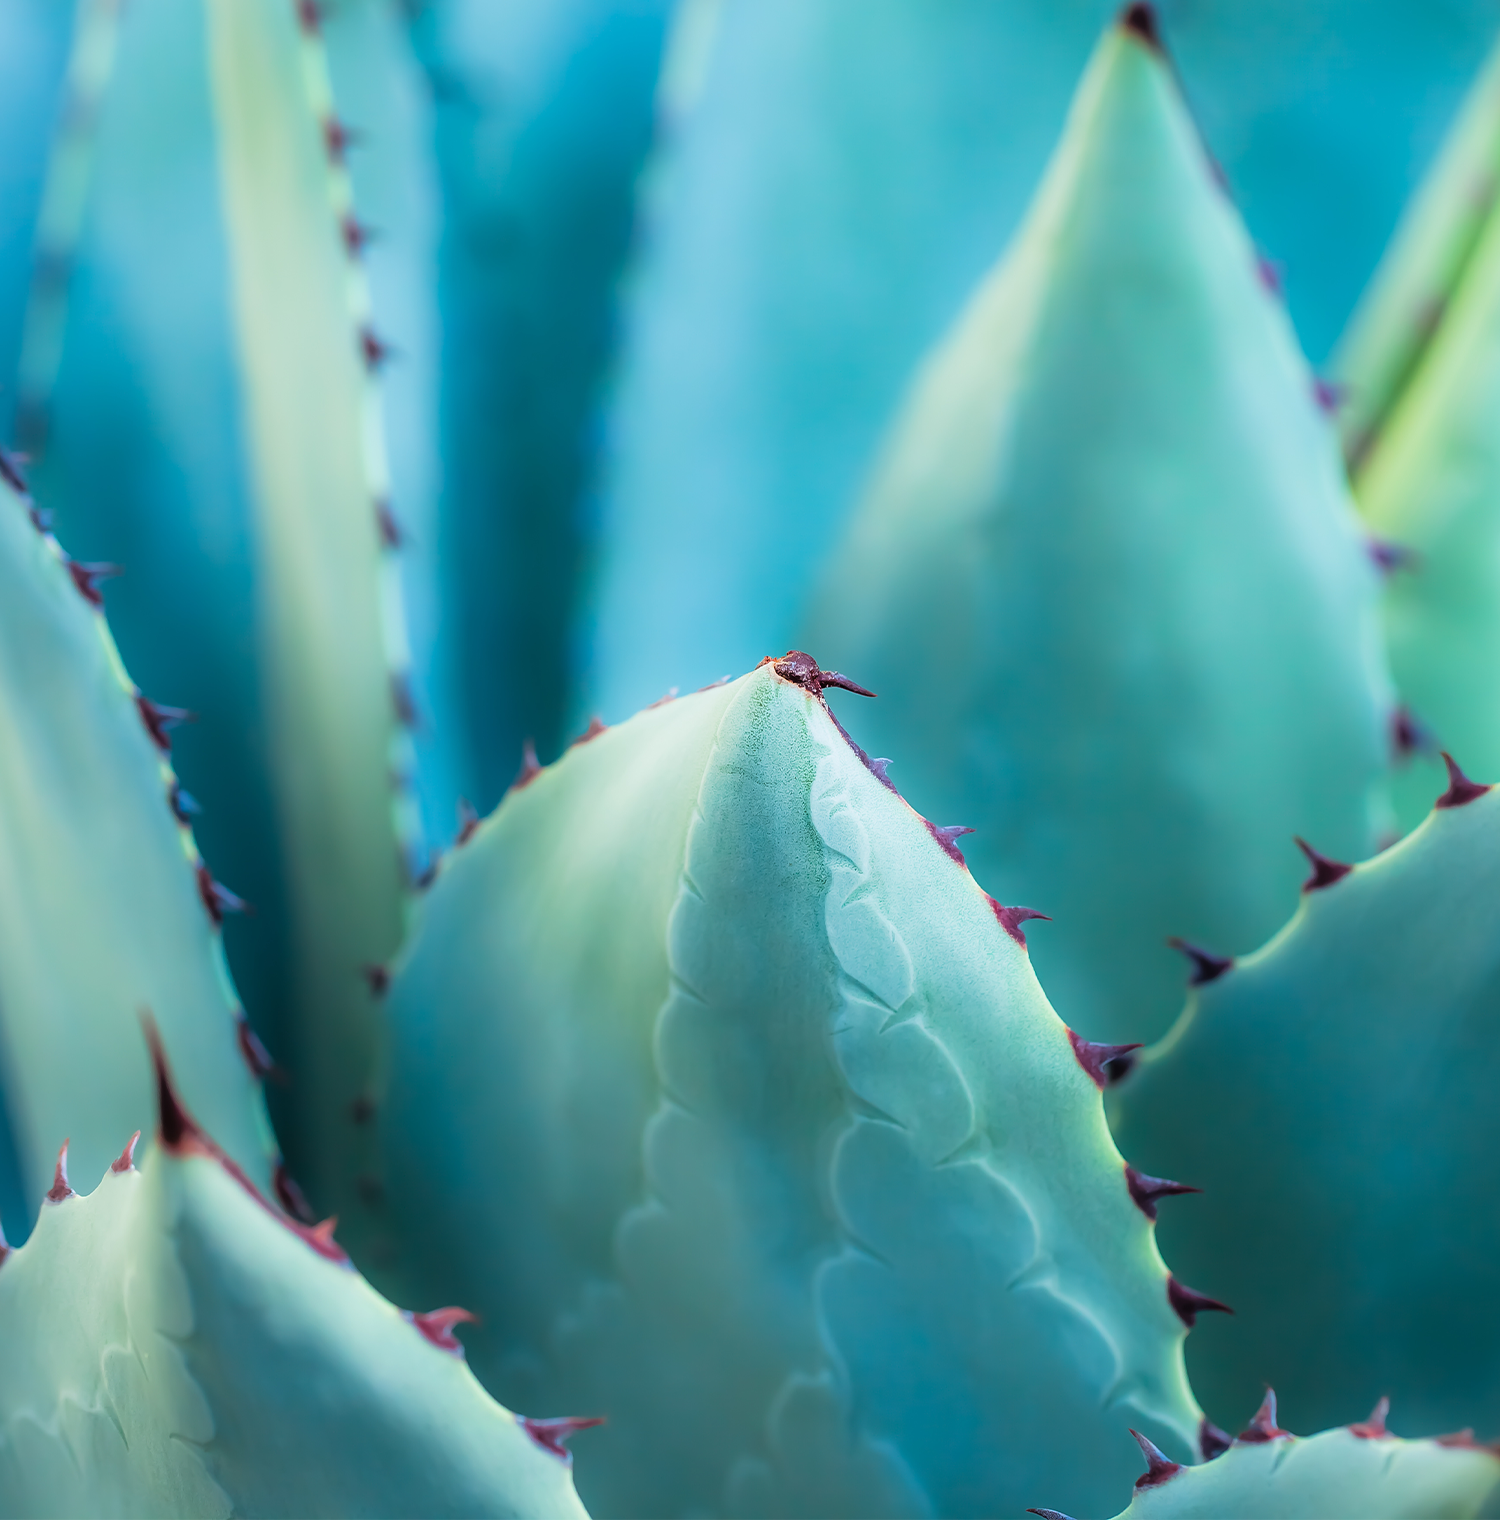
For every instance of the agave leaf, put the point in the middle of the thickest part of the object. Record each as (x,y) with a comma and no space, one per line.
(332,643)
(1431,259)
(1108,580)
(105,904)
(543,113)
(1362,1469)
(175,1346)
(773,325)
(759,1136)
(1333,1096)
(1429,464)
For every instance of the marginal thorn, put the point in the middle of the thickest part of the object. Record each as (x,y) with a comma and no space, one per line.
(1390,558)
(161,720)
(125,1161)
(1460,788)
(184,805)
(1324,871)
(1408,736)
(60,1189)
(338,139)
(667,696)
(1140,19)
(357,237)
(391,535)
(597,726)
(437,1325)
(1105,1064)
(1269,273)
(374,349)
(551,1435)
(1212,1441)
(254,1054)
(217,898)
(1189,1303)
(1159,1466)
(1147,1190)
(1329,396)
(378,979)
(1263,1426)
(1207,967)
(1049,1514)
(468,821)
(881,770)
(291,1197)
(403,703)
(947,835)
(1374,1428)
(531,767)
(87,577)
(322,1232)
(1011,919)
(10,472)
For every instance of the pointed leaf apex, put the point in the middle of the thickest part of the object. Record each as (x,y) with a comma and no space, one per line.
(1207,967)
(1159,1466)
(60,1188)
(1189,1303)
(1104,1063)
(1374,1428)
(1140,20)
(1264,1427)
(1460,788)
(799,667)
(550,1435)
(1324,871)
(125,1161)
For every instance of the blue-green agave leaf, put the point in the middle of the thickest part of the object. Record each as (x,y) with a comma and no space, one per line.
(1333,1095)
(1422,362)
(1355,1470)
(176,1347)
(1108,580)
(757,1135)
(106,906)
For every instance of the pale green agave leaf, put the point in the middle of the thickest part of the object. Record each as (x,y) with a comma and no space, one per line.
(176,1347)
(1108,580)
(1354,1472)
(1411,297)
(1333,1095)
(1428,477)
(333,647)
(758,1136)
(106,907)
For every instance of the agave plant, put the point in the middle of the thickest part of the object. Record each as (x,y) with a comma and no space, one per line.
(717,1099)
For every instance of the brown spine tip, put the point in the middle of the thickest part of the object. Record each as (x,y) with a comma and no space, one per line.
(1460,789)
(1206,967)
(1324,871)
(125,1161)
(551,1435)
(1263,1426)
(1373,1429)
(468,822)
(252,1052)
(531,767)
(391,536)
(373,349)
(217,898)
(1159,1466)
(801,669)
(1011,919)
(1212,1441)
(1147,1190)
(1105,1064)
(946,835)
(60,1189)
(161,720)
(291,1197)
(1140,19)
(1189,1303)
(437,1325)
(87,577)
